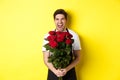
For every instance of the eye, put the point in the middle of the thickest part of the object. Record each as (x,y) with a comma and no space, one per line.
(63,18)
(56,19)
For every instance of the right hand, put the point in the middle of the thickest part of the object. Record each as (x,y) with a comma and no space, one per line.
(58,73)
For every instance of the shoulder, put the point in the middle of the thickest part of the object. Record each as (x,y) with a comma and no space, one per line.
(47,34)
(72,32)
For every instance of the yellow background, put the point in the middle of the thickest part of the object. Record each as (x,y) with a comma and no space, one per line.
(23,24)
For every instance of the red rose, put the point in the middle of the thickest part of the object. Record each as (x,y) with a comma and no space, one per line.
(53,44)
(68,41)
(68,35)
(52,32)
(61,33)
(60,37)
(51,37)
(58,33)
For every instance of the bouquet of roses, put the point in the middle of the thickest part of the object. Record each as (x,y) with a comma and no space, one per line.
(60,46)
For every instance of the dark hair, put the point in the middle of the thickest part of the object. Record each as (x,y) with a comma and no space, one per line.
(60,11)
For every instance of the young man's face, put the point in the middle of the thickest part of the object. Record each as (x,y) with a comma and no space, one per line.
(60,22)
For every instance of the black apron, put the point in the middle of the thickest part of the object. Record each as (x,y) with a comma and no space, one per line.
(70,75)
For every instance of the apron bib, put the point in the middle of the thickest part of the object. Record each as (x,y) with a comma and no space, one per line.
(70,75)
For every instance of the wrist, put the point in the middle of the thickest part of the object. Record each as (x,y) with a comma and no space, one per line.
(54,71)
(67,69)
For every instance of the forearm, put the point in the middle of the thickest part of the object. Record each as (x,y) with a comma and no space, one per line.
(75,61)
(50,66)
(73,64)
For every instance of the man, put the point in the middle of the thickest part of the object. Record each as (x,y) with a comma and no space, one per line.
(68,73)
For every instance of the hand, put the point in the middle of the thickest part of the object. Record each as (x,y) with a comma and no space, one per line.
(64,71)
(59,73)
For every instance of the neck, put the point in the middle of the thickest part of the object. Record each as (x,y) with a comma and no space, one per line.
(64,30)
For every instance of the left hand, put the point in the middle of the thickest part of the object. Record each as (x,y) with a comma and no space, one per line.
(64,71)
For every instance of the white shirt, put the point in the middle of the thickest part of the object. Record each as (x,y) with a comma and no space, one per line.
(75,46)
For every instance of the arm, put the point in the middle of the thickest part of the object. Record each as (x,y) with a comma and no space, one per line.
(74,63)
(58,72)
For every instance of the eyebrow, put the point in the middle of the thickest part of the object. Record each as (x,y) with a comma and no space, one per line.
(60,18)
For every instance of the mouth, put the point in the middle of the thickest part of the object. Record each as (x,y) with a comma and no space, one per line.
(60,25)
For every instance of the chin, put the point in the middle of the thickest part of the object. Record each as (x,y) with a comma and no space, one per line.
(60,29)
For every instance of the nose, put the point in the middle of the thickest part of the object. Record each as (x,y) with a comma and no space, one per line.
(60,21)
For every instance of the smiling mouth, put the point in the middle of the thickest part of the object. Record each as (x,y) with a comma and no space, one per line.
(60,25)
